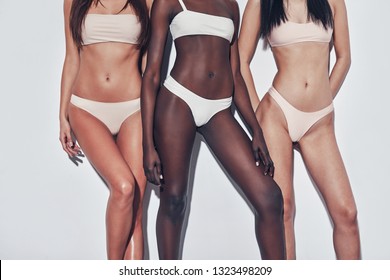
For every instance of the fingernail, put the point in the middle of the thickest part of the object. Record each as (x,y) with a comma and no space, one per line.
(257,163)
(265,173)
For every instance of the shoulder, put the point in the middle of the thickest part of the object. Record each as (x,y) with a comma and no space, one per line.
(165,4)
(335,4)
(232,3)
(233,6)
(168,3)
(338,8)
(166,7)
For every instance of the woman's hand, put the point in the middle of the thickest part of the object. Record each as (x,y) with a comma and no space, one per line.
(261,153)
(68,143)
(152,166)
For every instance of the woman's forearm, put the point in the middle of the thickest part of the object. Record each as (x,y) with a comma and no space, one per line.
(250,84)
(243,104)
(150,85)
(338,74)
(69,73)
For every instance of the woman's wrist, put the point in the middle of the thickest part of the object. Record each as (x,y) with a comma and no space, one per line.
(148,145)
(257,130)
(63,118)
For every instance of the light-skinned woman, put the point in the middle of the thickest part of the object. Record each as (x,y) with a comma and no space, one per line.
(100,105)
(298,108)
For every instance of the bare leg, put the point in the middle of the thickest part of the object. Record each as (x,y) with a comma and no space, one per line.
(129,142)
(233,148)
(323,160)
(279,144)
(101,150)
(174,135)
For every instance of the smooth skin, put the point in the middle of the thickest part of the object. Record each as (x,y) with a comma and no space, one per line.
(209,66)
(304,81)
(107,72)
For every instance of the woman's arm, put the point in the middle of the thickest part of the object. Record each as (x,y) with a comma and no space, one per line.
(247,44)
(242,102)
(341,46)
(69,73)
(150,84)
(144,58)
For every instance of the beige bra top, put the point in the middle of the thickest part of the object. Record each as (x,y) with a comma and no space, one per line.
(100,28)
(288,33)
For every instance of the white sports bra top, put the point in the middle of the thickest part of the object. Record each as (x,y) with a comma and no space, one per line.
(100,28)
(288,33)
(187,23)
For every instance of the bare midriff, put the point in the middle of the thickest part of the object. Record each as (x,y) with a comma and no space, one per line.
(303,75)
(108,72)
(202,65)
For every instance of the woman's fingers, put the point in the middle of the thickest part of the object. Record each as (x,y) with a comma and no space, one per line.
(153,173)
(268,163)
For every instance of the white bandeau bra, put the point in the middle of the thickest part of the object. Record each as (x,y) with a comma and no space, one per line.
(100,28)
(288,33)
(187,23)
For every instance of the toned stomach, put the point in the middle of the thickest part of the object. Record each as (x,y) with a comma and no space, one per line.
(108,72)
(202,65)
(303,75)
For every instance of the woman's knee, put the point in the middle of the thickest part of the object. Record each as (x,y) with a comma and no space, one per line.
(346,216)
(288,209)
(271,202)
(122,191)
(174,205)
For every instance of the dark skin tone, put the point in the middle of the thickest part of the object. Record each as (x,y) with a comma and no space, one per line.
(209,67)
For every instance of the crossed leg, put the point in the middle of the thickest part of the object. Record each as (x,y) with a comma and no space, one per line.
(129,142)
(106,156)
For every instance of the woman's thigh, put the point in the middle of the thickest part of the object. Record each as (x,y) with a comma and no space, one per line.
(98,144)
(233,148)
(174,133)
(323,160)
(129,142)
(280,146)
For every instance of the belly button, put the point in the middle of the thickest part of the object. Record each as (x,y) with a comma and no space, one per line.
(211,75)
(107,78)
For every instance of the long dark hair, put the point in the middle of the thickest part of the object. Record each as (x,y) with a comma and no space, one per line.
(272,14)
(80,9)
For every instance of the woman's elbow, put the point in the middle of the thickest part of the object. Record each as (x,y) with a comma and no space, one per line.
(345,60)
(151,77)
(72,60)
(349,61)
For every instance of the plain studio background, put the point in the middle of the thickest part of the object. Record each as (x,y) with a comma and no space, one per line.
(52,209)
